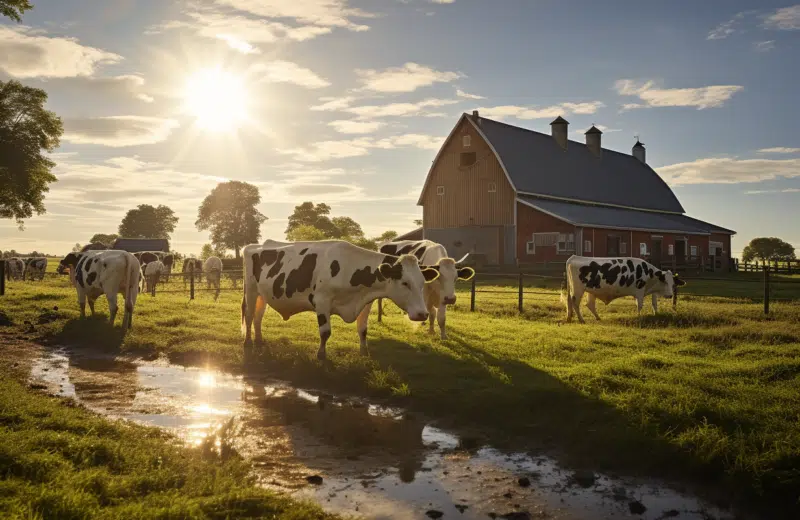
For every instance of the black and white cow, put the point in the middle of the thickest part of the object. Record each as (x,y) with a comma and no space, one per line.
(187,267)
(152,273)
(607,279)
(213,270)
(105,272)
(35,266)
(15,269)
(328,277)
(442,292)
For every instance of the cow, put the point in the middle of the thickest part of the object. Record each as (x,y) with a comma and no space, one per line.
(442,292)
(607,279)
(15,269)
(168,260)
(213,270)
(152,272)
(328,277)
(145,257)
(105,272)
(94,246)
(36,266)
(187,267)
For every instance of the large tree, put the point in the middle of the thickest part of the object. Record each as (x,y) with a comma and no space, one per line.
(304,233)
(26,131)
(230,212)
(14,8)
(105,239)
(146,221)
(768,248)
(308,214)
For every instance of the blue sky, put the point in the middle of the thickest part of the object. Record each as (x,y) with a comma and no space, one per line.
(347,101)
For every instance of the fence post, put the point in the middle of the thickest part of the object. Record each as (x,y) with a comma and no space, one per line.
(675,297)
(766,288)
(520,293)
(380,310)
(191,281)
(472,295)
(789,267)
(2,277)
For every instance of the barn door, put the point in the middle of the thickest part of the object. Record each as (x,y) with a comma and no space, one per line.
(612,245)
(655,257)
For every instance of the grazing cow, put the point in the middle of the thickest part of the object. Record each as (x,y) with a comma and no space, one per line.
(94,246)
(327,277)
(607,279)
(105,272)
(15,269)
(213,270)
(168,259)
(152,272)
(36,266)
(187,267)
(442,292)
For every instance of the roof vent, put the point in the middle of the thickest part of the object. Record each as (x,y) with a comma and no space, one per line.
(638,151)
(476,117)
(559,128)
(593,141)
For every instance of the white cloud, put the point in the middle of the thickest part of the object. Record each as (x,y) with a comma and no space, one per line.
(760,192)
(700,97)
(287,72)
(729,171)
(327,150)
(117,131)
(764,46)
(407,78)
(355,127)
(120,87)
(331,104)
(785,18)
(344,104)
(779,149)
(442,1)
(460,93)
(324,13)
(726,28)
(553,111)
(29,53)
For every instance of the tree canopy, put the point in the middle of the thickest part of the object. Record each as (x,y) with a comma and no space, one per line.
(14,8)
(146,221)
(768,248)
(311,221)
(230,212)
(26,130)
(316,216)
(105,239)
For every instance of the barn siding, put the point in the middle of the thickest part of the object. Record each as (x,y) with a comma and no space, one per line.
(467,200)
(530,221)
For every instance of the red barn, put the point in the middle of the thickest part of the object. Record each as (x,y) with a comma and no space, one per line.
(524,197)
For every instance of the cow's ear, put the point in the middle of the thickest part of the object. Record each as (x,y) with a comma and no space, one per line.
(466,273)
(678,281)
(430,274)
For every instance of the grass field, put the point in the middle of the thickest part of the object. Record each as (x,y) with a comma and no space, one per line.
(709,394)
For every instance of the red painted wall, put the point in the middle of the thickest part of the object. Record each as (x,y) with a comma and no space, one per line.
(531,221)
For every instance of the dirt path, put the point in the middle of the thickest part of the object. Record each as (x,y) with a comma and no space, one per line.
(347,454)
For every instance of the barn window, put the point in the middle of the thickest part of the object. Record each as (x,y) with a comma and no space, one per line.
(440,190)
(492,187)
(623,248)
(468,158)
(466,141)
(530,248)
(693,250)
(671,249)
(642,249)
(566,243)
(587,246)
(545,239)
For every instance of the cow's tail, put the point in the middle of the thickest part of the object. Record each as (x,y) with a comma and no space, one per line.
(565,288)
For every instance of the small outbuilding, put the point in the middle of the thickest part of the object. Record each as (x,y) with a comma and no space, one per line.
(135,245)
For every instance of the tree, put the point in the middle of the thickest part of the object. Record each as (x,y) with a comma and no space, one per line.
(105,239)
(387,236)
(418,222)
(76,248)
(208,251)
(307,214)
(347,227)
(305,232)
(146,221)
(14,8)
(229,211)
(768,248)
(26,130)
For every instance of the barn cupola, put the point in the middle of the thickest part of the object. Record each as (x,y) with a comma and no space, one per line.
(559,129)
(593,141)
(476,117)
(638,151)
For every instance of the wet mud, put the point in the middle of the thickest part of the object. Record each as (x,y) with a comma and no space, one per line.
(348,455)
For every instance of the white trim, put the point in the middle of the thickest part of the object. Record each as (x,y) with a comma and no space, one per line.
(595,203)
(466,141)
(600,226)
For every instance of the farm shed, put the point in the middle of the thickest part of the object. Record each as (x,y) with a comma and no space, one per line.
(522,197)
(134,245)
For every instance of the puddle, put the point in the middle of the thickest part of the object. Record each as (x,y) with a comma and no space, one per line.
(374,461)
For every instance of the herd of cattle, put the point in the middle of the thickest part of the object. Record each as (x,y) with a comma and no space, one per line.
(334,277)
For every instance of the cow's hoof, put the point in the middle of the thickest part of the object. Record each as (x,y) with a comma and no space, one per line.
(247,343)
(321,356)
(364,352)
(444,336)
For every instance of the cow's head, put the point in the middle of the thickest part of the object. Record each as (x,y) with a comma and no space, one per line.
(69,261)
(406,281)
(667,281)
(449,272)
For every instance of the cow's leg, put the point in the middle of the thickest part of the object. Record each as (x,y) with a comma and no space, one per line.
(654,303)
(363,322)
(248,310)
(431,318)
(441,318)
(82,303)
(91,300)
(639,303)
(577,296)
(324,322)
(261,308)
(112,305)
(591,304)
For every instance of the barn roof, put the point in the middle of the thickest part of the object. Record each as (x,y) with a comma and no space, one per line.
(619,218)
(134,245)
(535,164)
(416,234)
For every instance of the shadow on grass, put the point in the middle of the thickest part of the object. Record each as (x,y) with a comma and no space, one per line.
(93,331)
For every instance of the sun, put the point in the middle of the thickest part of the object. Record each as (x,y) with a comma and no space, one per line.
(217,99)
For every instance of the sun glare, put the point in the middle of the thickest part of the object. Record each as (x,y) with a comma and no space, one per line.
(217,99)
